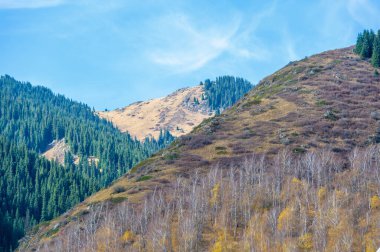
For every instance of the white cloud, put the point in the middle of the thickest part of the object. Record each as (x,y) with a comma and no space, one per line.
(28,4)
(364,12)
(288,45)
(184,47)
(247,44)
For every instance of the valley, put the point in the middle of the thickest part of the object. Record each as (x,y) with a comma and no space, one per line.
(165,126)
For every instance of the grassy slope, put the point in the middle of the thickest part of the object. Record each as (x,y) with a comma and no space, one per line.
(322,101)
(175,112)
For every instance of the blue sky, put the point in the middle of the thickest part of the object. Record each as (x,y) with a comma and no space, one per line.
(111,53)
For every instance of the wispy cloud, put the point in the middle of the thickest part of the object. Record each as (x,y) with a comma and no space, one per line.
(28,4)
(247,43)
(184,47)
(364,12)
(288,45)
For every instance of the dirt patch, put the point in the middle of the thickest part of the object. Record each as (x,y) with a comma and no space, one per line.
(56,151)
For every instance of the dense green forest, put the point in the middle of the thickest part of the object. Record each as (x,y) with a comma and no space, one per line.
(33,189)
(225,91)
(368,46)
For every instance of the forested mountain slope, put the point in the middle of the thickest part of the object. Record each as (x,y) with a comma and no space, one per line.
(180,111)
(33,189)
(293,166)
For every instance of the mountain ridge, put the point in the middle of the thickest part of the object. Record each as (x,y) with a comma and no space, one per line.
(180,111)
(302,138)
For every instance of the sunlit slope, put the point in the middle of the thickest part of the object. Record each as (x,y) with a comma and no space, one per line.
(176,112)
(279,164)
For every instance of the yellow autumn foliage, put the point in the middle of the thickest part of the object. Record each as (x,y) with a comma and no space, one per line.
(296,181)
(102,235)
(322,192)
(217,247)
(219,243)
(305,242)
(284,217)
(215,194)
(375,202)
(369,243)
(340,195)
(127,237)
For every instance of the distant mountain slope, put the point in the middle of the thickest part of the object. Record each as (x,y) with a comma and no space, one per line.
(33,189)
(180,111)
(176,112)
(290,167)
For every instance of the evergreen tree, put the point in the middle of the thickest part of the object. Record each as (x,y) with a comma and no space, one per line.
(375,60)
(33,189)
(359,44)
(366,47)
(225,91)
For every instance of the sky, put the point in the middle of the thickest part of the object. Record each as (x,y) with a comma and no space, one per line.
(111,53)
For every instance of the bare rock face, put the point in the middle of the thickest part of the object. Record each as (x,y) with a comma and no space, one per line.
(56,150)
(178,112)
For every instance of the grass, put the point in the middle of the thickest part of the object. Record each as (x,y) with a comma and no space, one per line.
(82,213)
(144,178)
(220,148)
(171,156)
(117,200)
(299,150)
(270,90)
(51,232)
(223,152)
(118,189)
(139,165)
(42,224)
(321,103)
(255,101)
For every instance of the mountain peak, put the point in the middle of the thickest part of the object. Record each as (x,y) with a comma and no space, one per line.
(180,111)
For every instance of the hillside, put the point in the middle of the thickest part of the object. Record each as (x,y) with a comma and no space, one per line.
(176,112)
(36,124)
(291,167)
(180,111)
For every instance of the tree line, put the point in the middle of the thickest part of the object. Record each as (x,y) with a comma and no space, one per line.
(225,91)
(33,189)
(368,46)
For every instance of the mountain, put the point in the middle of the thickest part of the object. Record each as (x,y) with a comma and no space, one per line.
(36,124)
(293,166)
(180,111)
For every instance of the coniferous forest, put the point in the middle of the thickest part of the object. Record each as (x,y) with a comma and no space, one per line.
(225,91)
(34,189)
(368,46)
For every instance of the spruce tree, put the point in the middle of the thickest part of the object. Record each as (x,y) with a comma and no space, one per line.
(359,44)
(366,47)
(375,60)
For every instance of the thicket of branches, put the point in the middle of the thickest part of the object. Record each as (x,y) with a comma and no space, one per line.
(314,202)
